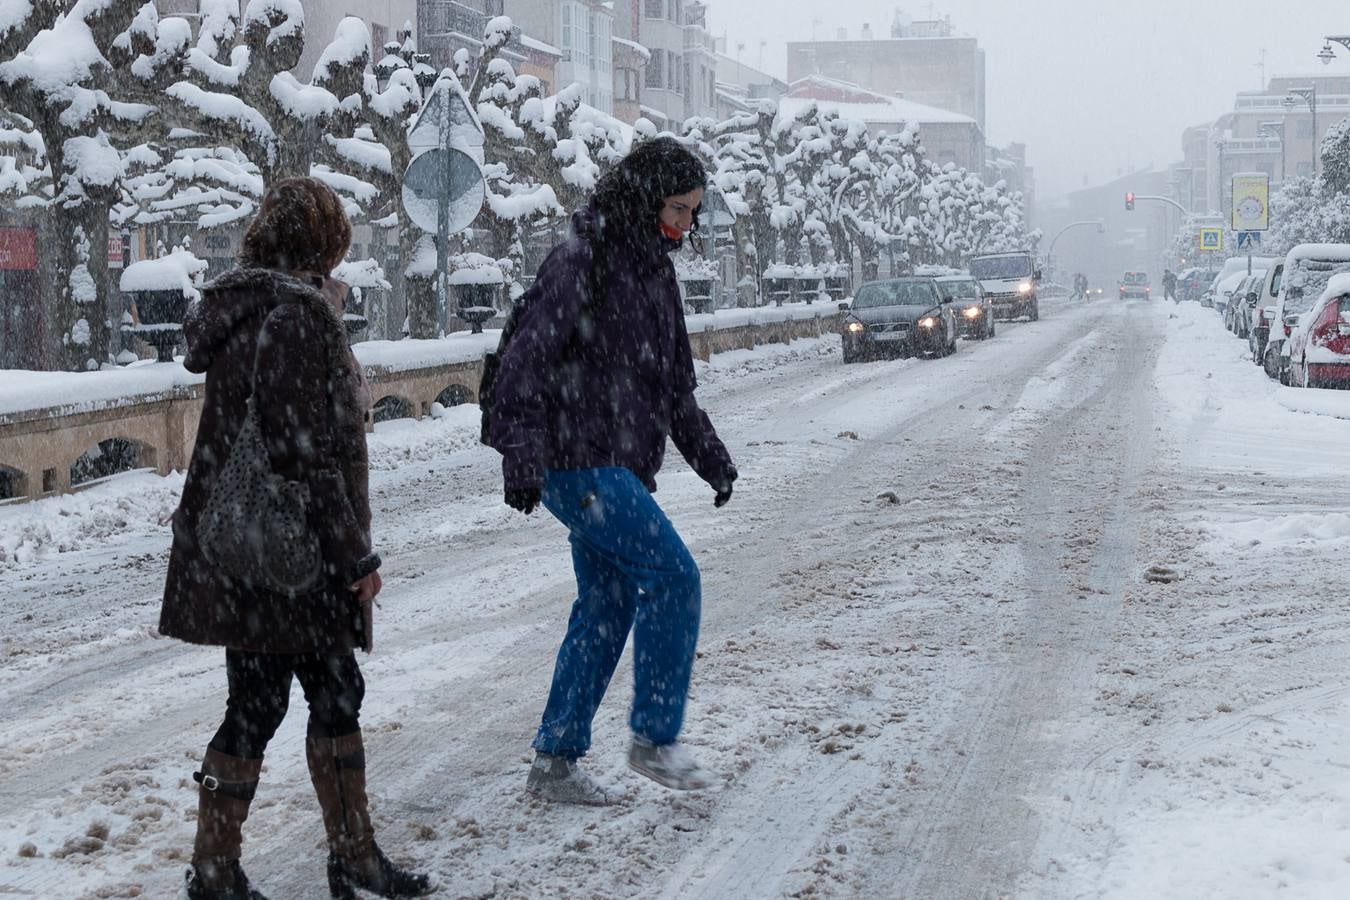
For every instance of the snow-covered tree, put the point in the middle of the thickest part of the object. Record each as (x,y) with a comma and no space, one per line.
(543,155)
(66,71)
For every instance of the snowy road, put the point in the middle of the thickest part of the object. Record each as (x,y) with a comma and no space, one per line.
(931,663)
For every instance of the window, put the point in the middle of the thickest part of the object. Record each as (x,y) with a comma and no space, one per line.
(674,62)
(677,11)
(627,82)
(654,9)
(655,70)
(569,40)
(495,7)
(602,45)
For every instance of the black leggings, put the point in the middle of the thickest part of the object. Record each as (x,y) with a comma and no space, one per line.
(260,691)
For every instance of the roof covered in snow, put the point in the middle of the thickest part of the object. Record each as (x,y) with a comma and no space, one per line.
(852,101)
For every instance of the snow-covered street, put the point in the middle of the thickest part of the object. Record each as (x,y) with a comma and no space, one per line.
(1062,615)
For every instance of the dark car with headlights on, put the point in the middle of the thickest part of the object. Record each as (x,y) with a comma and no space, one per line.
(974,310)
(899,317)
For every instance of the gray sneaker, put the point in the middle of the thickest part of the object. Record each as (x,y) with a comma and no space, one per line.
(561,780)
(670,765)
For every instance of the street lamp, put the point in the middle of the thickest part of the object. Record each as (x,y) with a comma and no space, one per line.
(1220,144)
(1309,96)
(1327,54)
(1275,130)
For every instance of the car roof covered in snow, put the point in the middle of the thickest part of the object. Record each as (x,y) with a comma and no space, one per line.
(1230,282)
(1329,252)
(1338,285)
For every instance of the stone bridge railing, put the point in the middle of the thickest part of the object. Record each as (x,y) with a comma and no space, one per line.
(51,420)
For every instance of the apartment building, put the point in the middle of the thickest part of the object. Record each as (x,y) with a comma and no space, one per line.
(679,80)
(581,31)
(926,60)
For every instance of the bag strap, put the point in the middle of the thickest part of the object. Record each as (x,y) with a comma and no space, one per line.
(251,405)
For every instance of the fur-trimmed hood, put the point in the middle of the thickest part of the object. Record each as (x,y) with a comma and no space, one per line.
(244,295)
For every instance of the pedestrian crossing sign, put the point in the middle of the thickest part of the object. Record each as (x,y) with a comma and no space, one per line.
(1211,239)
(1249,240)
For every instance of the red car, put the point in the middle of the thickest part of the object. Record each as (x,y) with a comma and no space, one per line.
(1319,347)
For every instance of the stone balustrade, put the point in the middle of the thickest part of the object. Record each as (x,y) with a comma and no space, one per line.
(156,417)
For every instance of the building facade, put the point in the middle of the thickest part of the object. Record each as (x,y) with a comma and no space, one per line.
(1242,139)
(386,18)
(581,31)
(740,86)
(948,137)
(679,80)
(926,61)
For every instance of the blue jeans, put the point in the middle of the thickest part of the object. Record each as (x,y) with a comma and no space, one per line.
(633,573)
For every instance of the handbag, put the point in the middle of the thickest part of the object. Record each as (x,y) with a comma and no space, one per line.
(255,527)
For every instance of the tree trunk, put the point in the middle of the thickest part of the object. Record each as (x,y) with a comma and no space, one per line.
(73,267)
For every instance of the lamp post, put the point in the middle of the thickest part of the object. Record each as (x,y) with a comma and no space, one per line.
(1309,96)
(1276,130)
(1219,145)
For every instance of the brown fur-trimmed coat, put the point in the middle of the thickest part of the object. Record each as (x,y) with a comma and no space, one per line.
(311,402)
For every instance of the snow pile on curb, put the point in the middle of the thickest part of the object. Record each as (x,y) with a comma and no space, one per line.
(1316,401)
(401,441)
(1281,531)
(132,504)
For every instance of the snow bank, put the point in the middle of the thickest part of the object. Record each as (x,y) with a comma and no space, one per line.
(1315,401)
(400,441)
(120,507)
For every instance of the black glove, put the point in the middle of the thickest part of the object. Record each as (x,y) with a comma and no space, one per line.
(524,500)
(723,488)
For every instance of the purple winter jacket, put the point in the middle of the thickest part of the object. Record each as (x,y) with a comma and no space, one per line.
(587,385)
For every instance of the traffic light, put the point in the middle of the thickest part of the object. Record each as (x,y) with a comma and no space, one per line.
(1129,199)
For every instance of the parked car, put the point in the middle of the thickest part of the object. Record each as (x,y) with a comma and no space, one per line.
(1319,348)
(1134,286)
(1233,266)
(974,310)
(1245,296)
(1307,270)
(899,317)
(1191,283)
(1261,313)
(1012,281)
(1223,291)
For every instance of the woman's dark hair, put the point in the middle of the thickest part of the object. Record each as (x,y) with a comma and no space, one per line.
(630,196)
(300,227)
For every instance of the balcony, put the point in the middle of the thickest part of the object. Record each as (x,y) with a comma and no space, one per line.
(461,24)
(696,39)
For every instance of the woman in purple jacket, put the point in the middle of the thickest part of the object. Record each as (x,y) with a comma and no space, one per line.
(597,374)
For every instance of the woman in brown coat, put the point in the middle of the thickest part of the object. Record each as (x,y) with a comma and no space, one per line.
(272,328)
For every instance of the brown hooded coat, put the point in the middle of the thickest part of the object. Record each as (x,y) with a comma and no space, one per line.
(311,401)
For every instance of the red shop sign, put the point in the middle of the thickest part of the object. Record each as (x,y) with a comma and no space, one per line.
(18,248)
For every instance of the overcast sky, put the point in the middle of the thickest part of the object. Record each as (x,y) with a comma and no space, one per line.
(1093,88)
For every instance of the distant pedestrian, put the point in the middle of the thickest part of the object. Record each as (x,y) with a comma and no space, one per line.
(269,334)
(1169,285)
(597,373)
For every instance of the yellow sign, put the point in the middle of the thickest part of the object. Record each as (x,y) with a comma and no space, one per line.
(1251,201)
(1211,239)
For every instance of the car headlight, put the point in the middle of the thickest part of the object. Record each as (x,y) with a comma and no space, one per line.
(927,322)
(972,312)
(856,327)
(1024,287)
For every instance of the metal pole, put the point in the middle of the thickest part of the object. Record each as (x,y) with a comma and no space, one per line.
(1312,104)
(443,231)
